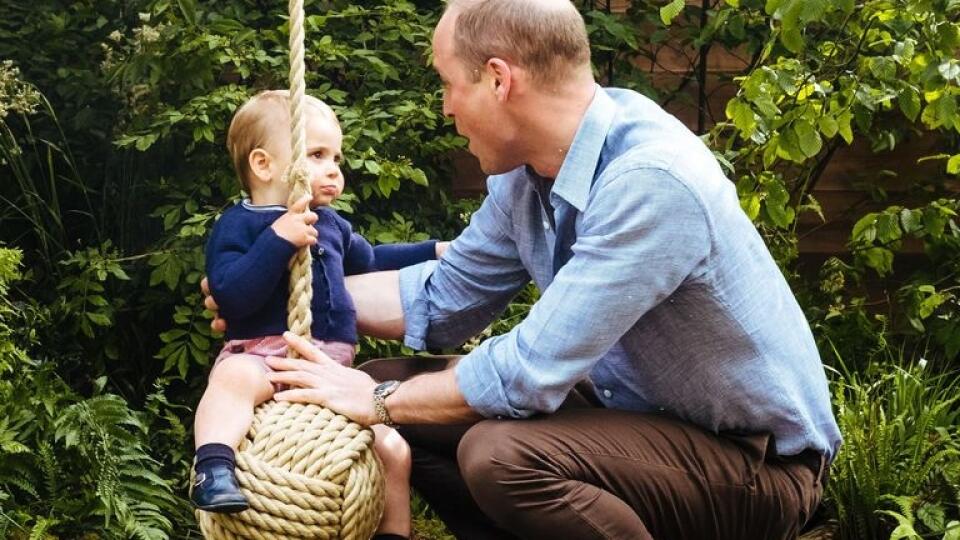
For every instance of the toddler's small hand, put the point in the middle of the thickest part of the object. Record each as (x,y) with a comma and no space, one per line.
(296,226)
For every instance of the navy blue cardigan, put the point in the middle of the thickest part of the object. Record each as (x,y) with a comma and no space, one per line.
(247,261)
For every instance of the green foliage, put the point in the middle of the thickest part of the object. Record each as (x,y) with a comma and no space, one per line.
(70,463)
(112,132)
(671,10)
(831,74)
(900,453)
(112,209)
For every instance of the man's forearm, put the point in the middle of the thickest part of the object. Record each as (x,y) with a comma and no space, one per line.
(376,297)
(432,398)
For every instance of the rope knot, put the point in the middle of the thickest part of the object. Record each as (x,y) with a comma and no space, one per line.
(307,473)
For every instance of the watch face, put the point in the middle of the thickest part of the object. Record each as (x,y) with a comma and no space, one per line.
(386,388)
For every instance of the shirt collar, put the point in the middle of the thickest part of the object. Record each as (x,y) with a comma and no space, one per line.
(575,178)
(248,204)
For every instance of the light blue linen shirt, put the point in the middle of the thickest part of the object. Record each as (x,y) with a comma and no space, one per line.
(654,283)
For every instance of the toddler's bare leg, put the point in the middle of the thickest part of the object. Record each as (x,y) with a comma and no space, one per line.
(237,385)
(395,455)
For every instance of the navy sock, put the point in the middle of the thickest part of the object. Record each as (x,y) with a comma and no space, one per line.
(215,454)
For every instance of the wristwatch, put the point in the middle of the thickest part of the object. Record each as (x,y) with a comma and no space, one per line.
(380,394)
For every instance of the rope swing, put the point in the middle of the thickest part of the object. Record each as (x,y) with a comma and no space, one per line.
(306,471)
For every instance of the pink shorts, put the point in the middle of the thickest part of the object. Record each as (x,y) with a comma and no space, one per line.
(263,347)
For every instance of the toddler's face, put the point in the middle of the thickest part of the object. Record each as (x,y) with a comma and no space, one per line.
(324,152)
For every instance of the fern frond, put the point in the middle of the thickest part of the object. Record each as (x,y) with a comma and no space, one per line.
(40,528)
(51,472)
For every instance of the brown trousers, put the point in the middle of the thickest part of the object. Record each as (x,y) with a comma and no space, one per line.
(586,472)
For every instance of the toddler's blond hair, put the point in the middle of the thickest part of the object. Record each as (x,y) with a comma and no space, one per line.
(263,117)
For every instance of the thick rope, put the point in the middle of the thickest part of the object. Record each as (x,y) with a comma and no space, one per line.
(306,472)
(299,317)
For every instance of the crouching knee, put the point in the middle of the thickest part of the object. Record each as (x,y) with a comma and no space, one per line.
(499,466)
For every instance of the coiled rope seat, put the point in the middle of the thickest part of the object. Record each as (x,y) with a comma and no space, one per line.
(306,471)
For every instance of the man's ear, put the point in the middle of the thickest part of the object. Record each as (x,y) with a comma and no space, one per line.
(261,164)
(501,77)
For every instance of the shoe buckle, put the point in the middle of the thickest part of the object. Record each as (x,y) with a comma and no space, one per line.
(201,478)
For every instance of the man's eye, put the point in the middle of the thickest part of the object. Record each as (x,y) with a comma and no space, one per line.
(337,159)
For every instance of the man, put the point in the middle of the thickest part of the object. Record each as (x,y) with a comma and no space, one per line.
(657,292)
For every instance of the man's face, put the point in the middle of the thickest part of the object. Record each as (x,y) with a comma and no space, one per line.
(472,104)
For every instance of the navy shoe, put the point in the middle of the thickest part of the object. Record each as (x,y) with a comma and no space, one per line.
(216,490)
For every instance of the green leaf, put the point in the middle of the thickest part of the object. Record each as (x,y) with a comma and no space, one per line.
(733,3)
(953,528)
(792,39)
(946,111)
(828,126)
(751,205)
(953,165)
(909,101)
(781,216)
(200,342)
(789,146)
(888,228)
(880,259)
(418,177)
(99,319)
(924,310)
(843,125)
(808,138)
(189,10)
(743,117)
(911,220)
(670,11)
(865,230)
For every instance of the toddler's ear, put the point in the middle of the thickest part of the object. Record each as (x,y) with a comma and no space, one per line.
(261,164)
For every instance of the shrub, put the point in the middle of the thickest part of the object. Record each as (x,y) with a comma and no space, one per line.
(899,461)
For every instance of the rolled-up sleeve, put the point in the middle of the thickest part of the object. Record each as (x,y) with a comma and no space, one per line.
(448,301)
(642,234)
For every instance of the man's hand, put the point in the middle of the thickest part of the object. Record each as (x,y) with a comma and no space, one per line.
(296,225)
(217,324)
(318,379)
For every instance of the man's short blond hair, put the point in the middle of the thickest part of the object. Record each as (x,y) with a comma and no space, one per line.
(263,117)
(547,38)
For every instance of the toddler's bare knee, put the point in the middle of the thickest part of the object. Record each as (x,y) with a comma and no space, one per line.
(239,371)
(394,452)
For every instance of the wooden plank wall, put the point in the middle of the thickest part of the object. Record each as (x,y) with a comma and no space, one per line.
(840,190)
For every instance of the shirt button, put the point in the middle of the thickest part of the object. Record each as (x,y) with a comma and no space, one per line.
(607,393)
(546,225)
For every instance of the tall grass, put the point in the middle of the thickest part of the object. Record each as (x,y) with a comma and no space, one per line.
(43,173)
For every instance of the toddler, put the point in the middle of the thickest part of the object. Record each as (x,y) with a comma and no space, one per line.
(247,266)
